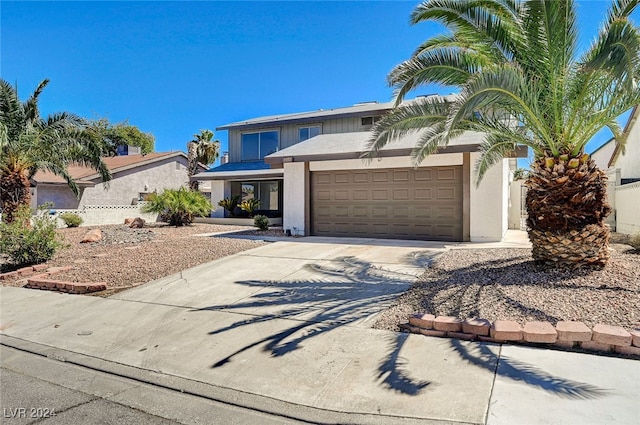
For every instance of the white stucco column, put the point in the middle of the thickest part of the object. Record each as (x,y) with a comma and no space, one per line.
(296,182)
(489,209)
(220,189)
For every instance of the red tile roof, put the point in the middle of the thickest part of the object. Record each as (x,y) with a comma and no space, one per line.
(83,174)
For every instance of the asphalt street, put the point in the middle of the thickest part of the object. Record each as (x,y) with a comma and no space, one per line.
(37,389)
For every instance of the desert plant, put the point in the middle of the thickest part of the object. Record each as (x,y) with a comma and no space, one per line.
(230,204)
(250,206)
(523,82)
(261,222)
(29,244)
(71,219)
(634,241)
(178,206)
(29,143)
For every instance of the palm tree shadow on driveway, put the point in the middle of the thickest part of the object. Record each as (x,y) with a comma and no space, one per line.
(347,292)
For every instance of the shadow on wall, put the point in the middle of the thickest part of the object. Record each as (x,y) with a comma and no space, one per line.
(347,292)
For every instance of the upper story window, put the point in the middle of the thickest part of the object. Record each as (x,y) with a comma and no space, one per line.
(369,120)
(255,146)
(305,133)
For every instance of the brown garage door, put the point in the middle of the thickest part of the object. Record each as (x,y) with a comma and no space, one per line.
(405,203)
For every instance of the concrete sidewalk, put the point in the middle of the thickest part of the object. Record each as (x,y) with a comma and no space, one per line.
(290,322)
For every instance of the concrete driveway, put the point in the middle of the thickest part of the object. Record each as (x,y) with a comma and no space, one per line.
(290,321)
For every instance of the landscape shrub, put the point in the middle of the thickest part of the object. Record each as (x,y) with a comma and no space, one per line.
(178,207)
(71,219)
(250,206)
(634,241)
(25,244)
(230,204)
(261,222)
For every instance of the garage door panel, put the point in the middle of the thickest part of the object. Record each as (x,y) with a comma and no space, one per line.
(424,203)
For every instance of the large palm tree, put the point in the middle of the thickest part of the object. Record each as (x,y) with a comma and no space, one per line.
(29,143)
(522,83)
(201,150)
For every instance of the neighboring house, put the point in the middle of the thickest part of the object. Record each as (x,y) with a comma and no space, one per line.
(134,177)
(628,163)
(623,171)
(307,168)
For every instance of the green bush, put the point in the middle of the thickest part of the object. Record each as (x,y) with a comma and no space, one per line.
(27,244)
(250,206)
(178,207)
(230,204)
(71,219)
(261,222)
(634,241)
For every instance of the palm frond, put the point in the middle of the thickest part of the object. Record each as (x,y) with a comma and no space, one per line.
(406,119)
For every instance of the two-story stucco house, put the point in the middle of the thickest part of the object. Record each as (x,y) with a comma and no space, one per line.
(307,168)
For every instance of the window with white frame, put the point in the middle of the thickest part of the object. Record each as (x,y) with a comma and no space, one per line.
(255,146)
(366,121)
(305,133)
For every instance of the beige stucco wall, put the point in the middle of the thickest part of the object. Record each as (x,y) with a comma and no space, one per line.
(629,163)
(489,203)
(603,155)
(627,202)
(125,186)
(296,178)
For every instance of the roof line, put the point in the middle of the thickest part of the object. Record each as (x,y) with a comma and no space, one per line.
(625,134)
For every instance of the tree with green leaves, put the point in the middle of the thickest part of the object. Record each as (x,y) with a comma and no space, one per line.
(121,134)
(201,150)
(29,143)
(522,82)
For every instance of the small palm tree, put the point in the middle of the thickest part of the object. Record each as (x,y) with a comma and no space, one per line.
(522,83)
(201,150)
(29,143)
(178,207)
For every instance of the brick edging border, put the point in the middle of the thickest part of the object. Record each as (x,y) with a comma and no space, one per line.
(565,335)
(42,281)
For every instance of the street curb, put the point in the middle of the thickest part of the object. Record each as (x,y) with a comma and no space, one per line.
(232,397)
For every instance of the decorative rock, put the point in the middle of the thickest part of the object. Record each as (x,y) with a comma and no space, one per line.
(92,236)
(409,328)
(489,339)
(634,351)
(635,337)
(447,323)
(431,332)
(476,326)
(506,330)
(461,335)
(614,335)
(137,223)
(596,346)
(543,332)
(422,320)
(565,344)
(573,331)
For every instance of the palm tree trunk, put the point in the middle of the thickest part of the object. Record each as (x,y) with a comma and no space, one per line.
(566,206)
(14,192)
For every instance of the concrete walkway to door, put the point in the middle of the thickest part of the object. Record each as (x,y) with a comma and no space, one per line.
(287,326)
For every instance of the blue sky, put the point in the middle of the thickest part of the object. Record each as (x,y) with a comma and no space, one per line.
(173,68)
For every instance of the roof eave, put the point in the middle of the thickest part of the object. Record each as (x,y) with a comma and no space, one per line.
(519,152)
(310,119)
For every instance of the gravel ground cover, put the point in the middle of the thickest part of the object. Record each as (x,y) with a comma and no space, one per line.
(506,284)
(128,257)
(489,283)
